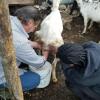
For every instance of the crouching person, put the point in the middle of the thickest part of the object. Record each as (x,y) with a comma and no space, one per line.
(26,21)
(81,67)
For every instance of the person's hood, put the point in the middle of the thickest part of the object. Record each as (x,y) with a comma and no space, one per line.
(17,26)
(93,57)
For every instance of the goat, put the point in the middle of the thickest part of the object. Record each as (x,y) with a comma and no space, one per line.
(50,32)
(90,10)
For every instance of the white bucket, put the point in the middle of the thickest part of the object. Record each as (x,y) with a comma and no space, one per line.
(45,74)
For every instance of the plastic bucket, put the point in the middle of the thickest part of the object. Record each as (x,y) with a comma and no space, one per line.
(45,74)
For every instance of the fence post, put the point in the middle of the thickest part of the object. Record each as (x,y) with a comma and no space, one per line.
(8,54)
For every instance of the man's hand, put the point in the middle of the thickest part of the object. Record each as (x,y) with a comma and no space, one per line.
(45,53)
(36,45)
(53,49)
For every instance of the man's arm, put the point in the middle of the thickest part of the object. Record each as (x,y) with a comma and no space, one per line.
(90,44)
(35,44)
(26,54)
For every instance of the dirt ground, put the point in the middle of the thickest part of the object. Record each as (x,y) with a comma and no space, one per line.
(59,91)
(74,35)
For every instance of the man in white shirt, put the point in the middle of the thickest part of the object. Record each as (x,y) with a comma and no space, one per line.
(26,21)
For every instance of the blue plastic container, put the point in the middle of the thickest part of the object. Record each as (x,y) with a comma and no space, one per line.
(65,1)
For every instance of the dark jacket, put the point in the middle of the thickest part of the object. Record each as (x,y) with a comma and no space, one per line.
(85,81)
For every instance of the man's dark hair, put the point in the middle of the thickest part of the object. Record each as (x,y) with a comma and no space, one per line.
(28,12)
(72,53)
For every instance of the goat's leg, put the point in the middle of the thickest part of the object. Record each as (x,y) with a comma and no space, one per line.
(54,78)
(91,23)
(85,24)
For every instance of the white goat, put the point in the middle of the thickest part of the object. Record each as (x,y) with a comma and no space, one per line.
(50,31)
(90,10)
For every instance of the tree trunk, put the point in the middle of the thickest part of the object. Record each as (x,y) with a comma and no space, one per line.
(8,54)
